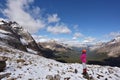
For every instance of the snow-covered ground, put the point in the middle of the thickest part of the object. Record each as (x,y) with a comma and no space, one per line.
(26,66)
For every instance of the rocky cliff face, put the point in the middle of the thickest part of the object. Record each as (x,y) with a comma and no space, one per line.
(12,34)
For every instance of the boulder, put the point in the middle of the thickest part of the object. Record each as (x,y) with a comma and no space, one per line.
(2,63)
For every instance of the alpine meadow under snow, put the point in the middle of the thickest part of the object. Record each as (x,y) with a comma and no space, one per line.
(26,66)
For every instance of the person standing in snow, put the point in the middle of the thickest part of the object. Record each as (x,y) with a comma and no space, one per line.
(83,59)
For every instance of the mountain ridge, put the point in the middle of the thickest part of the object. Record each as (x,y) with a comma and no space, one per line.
(18,36)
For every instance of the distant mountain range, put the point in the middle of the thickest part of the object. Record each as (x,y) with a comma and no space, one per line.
(104,53)
(112,48)
(54,46)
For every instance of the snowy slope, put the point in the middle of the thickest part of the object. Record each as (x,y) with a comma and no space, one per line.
(26,66)
(3,33)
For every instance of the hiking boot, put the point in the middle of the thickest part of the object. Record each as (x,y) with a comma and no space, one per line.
(84,71)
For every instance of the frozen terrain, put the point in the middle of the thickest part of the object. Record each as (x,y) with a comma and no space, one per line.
(27,66)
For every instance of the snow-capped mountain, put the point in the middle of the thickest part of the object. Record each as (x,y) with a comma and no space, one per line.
(12,34)
(117,39)
(112,48)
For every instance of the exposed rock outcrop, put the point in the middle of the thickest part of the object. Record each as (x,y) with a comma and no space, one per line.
(2,63)
(14,35)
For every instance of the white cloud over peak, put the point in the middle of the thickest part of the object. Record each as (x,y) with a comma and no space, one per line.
(53,18)
(111,35)
(77,35)
(114,34)
(18,10)
(89,40)
(39,38)
(59,29)
(72,42)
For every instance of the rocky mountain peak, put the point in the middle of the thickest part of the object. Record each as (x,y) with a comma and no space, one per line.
(115,40)
(16,36)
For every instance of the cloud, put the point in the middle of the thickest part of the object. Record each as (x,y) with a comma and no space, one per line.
(114,34)
(89,40)
(111,35)
(59,29)
(76,27)
(72,42)
(19,11)
(77,35)
(75,43)
(4,19)
(39,38)
(53,18)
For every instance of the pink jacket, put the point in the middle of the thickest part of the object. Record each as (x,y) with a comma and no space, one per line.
(83,58)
